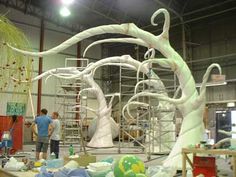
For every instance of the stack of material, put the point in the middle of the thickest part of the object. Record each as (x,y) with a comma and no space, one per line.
(160,171)
(71,173)
(83,159)
(72,165)
(99,169)
(14,165)
(55,163)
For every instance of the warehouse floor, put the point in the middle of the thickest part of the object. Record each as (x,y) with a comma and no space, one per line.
(107,152)
(222,164)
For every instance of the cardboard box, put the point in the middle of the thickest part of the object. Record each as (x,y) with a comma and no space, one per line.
(83,160)
(4,173)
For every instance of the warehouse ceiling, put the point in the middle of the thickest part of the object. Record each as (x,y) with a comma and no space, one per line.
(90,13)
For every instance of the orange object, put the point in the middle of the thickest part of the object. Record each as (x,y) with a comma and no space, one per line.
(17,133)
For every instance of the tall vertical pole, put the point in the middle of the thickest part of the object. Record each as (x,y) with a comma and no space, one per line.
(78,65)
(80,123)
(184,41)
(40,68)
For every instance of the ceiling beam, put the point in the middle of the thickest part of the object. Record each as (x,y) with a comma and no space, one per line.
(169,7)
(111,8)
(187,14)
(184,6)
(98,12)
(94,3)
(208,7)
(199,18)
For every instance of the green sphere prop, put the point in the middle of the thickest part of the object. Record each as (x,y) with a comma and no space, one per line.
(129,166)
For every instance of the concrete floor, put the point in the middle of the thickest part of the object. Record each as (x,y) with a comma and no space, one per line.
(222,164)
(106,152)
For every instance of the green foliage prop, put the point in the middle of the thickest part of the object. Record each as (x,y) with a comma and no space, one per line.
(12,64)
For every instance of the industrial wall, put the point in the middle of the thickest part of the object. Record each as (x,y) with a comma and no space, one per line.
(211,40)
(53,35)
(208,40)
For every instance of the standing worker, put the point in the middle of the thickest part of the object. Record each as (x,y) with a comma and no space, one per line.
(44,124)
(55,138)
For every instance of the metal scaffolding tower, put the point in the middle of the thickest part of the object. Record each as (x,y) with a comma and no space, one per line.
(153,129)
(67,98)
(130,132)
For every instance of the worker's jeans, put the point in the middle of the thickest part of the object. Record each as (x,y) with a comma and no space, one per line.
(54,147)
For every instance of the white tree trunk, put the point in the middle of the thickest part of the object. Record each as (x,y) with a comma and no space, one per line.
(103,134)
(191,133)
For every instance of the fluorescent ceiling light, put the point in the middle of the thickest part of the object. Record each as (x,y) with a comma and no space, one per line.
(65,12)
(220,111)
(230,104)
(212,84)
(67,2)
(215,84)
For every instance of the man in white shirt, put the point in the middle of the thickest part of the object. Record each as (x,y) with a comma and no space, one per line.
(55,137)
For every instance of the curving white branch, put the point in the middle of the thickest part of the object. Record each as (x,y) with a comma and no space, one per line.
(127,29)
(225,140)
(159,97)
(206,76)
(117,40)
(177,92)
(149,82)
(73,73)
(150,53)
(111,100)
(91,90)
(228,133)
(128,110)
(87,108)
(115,64)
(166,26)
(57,72)
(230,139)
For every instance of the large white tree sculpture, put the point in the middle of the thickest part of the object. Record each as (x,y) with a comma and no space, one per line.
(166,110)
(102,137)
(106,127)
(190,104)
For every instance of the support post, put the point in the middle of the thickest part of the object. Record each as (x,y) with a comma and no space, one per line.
(78,65)
(183,164)
(234,166)
(184,42)
(40,67)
